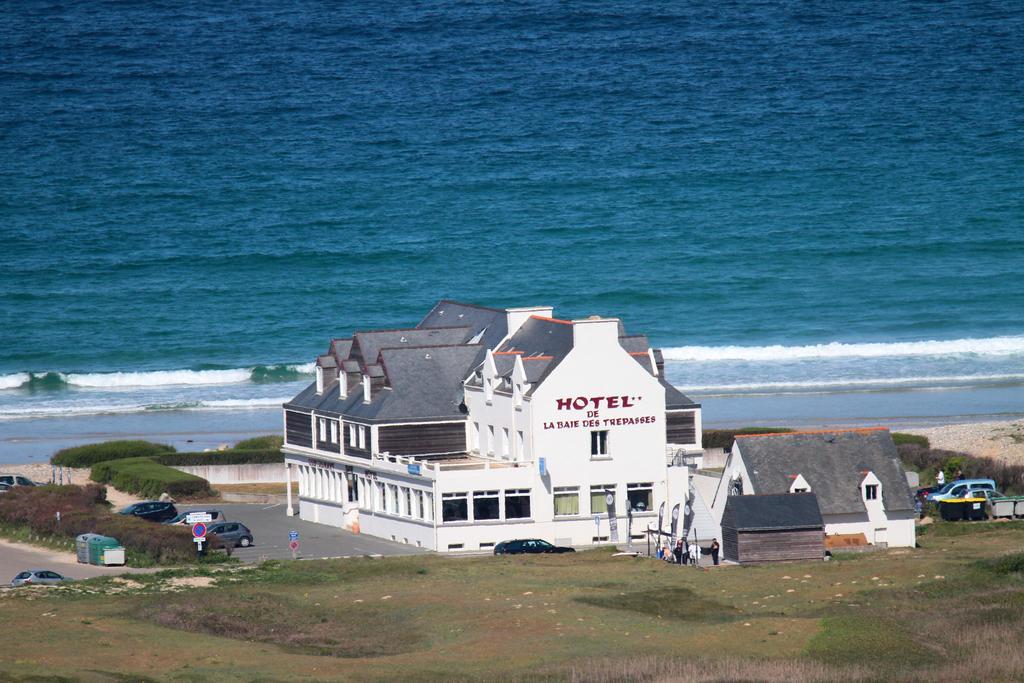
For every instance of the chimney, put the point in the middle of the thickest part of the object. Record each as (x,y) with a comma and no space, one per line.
(595,332)
(517,316)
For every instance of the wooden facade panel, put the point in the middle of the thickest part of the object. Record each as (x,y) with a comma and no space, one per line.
(730,544)
(681,427)
(355,451)
(779,546)
(325,444)
(421,439)
(298,428)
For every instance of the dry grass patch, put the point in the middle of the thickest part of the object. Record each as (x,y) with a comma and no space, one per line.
(369,631)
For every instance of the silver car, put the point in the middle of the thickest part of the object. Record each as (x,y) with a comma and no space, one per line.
(16,480)
(38,577)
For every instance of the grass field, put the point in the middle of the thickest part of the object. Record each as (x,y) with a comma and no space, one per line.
(948,610)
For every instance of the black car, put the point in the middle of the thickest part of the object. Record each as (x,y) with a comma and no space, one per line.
(153,510)
(529,545)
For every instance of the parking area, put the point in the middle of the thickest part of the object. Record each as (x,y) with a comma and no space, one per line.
(270,528)
(18,557)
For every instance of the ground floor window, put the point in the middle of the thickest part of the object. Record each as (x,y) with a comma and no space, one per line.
(640,496)
(428,507)
(567,501)
(378,504)
(353,489)
(407,508)
(599,497)
(485,505)
(517,503)
(393,499)
(454,507)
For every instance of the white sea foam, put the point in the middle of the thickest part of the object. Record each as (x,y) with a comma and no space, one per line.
(110,380)
(865,383)
(14,381)
(305,368)
(994,346)
(65,410)
(245,402)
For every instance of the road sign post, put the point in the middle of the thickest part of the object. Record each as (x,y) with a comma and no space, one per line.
(199,537)
(293,543)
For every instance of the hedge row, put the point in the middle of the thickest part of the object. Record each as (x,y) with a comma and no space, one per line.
(83,510)
(88,455)
(232,457)
(723,438)
(1009,477)
(147,477)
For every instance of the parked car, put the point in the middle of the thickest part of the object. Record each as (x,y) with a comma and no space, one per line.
(230,534)
(529,545)
(957,489)
(984,493)
(16,480)
(153,510)
(215,516)
(38,577)
(4,488)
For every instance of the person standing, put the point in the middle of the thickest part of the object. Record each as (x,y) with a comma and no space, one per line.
(940,478)
(678,551)
(714,551)
(695,554)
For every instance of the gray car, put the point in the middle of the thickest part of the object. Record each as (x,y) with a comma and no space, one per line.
(38,577)
(230,534)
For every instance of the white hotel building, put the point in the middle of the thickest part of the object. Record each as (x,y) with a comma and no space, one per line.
(481,425)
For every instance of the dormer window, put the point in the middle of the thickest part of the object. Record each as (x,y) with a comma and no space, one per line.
(871,492)
(319,380)
(517,394)
(799,484)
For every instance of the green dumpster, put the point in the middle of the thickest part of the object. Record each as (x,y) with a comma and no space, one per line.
(82,546)
(97,545)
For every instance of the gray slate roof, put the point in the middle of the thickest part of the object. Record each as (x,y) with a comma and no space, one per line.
(370,343)
(772,512)
(833,463)
(424,383)
(488,326)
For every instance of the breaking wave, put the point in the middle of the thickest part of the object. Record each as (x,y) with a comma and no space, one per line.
(51,381)
(994,346)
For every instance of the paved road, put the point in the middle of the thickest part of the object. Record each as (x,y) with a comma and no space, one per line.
(17,557)
(270,526)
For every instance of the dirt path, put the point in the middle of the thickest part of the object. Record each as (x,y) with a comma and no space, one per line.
(17,557)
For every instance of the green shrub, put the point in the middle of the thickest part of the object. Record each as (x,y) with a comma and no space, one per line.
(1009,477)
(1007,564)
(723,438)
(90,454)
(147,477)
(260,443)
(232,457)
(83,510)
(900,438)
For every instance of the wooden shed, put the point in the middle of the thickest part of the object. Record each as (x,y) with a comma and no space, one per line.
(772,528)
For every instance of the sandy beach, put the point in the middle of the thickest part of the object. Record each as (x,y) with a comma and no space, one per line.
(1000,440)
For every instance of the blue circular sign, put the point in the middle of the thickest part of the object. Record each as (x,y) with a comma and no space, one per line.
(199,530)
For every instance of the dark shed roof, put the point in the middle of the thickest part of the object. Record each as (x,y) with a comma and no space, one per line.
(832,462)
(772,512)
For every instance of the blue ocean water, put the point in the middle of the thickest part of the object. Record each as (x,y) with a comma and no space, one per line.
(787,196)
